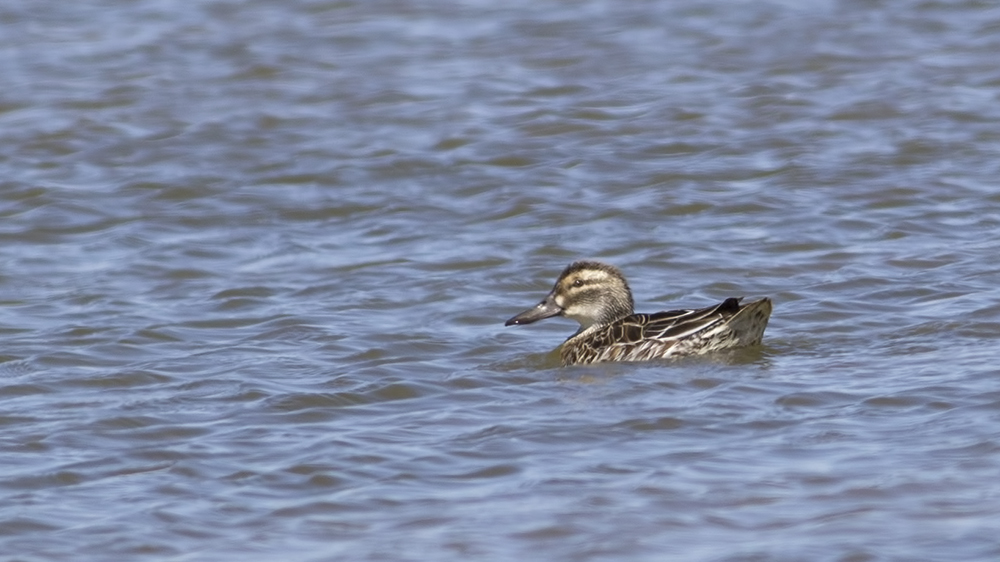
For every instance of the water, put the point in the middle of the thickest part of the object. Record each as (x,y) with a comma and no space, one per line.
(255,259)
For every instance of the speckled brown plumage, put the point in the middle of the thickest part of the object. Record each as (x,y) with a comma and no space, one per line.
(597,295)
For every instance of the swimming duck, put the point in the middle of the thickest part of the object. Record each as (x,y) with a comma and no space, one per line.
(597,296)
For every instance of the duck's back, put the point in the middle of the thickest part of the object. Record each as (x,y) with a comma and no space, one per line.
(641,337)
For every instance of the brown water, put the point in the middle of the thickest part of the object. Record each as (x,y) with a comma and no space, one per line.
(255,259)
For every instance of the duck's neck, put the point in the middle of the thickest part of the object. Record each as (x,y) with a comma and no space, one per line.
(585,331)
(594,325)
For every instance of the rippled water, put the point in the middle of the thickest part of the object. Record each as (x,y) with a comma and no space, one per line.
(255,259)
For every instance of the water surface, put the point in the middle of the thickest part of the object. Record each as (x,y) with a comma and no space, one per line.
(255,260)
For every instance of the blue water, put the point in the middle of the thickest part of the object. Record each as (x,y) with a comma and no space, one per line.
(255,260)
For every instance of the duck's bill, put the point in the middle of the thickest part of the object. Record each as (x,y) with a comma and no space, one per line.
(545,309)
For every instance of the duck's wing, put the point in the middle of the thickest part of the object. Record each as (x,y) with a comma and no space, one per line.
(679,324)
(640,337)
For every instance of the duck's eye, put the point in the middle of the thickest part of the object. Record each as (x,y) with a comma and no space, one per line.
(578,283)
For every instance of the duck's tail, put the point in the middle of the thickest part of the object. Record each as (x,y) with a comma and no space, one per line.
(749,323)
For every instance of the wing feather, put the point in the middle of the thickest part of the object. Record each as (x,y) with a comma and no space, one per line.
(641,337)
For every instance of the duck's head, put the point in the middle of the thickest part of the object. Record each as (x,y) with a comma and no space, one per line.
(589,292)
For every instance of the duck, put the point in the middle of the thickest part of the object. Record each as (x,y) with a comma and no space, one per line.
(596,295)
